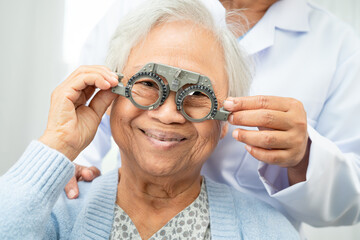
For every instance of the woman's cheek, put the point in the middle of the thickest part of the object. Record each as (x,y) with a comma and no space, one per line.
(122,114)
(208,137)
(124,111)
(211,130)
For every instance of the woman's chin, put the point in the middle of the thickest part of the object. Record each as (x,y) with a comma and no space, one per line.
(160,171)
(160,167)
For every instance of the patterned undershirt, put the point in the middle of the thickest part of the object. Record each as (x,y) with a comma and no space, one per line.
(191,223)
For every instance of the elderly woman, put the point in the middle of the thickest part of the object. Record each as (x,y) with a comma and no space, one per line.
(178,68)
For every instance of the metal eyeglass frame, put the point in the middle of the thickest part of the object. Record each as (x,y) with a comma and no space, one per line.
(177,78)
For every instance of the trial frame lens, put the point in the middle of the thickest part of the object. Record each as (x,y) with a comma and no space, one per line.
(145,92)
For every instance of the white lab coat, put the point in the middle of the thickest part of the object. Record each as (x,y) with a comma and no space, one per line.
(300,51)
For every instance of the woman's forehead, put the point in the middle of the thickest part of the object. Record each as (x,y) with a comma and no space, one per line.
(177,45)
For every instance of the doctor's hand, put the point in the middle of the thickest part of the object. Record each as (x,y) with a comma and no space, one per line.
(81,173)
(282,138)
(71,124)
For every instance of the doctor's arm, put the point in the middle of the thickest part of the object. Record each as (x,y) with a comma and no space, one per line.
(323,164)
(331,193)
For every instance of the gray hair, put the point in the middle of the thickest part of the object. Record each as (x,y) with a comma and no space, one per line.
(136,25)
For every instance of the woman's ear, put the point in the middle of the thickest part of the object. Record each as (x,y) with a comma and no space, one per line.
(224,129)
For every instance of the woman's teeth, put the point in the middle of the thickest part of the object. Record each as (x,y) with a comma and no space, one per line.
(163,139)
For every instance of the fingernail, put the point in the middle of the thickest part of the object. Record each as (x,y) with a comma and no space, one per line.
(115,80)
(235,134)
(231,119)
(108,85)
(228,104)
(71,193)
(115,75)
(91,173)
(248,148)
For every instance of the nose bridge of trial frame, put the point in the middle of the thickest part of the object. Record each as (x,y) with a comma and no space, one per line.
(177,77)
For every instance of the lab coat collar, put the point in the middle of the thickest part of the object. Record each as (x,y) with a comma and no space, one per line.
(289,15)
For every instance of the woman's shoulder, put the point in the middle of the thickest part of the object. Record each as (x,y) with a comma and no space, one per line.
(104,186)
(254,218)
(218,190)
(95,205)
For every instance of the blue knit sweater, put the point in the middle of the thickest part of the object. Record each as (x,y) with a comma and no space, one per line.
(33,204)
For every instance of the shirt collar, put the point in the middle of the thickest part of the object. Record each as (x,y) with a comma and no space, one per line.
(292,15)
(289,15)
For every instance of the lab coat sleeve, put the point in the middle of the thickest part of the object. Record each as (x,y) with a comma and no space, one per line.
(331,193)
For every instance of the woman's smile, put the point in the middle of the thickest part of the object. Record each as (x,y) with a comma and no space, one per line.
(163,140)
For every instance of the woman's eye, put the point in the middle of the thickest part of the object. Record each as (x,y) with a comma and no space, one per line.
(147,83)
(198,93)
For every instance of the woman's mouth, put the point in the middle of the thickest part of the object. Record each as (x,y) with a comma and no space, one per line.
(163,139)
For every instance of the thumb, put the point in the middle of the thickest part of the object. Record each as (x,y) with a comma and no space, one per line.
(102,101)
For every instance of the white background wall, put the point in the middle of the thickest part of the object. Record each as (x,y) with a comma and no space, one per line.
(40,41)
(39,45)
(30,65)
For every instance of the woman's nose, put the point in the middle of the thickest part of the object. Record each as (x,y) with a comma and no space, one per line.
(167,112)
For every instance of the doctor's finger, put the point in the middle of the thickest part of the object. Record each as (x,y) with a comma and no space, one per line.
(278,157)
(264,139)
(261,118)
(72,188)
(90,173)
(257,102)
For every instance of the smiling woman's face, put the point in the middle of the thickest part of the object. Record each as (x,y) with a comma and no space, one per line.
(162,142)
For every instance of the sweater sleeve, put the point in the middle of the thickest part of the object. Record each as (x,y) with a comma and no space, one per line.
(29,190)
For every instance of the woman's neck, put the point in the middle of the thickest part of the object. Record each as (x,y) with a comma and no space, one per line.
(150,201)
(252,11)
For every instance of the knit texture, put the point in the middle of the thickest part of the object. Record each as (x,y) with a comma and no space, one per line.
(33,204)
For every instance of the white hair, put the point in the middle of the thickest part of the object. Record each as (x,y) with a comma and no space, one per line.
(137,24)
